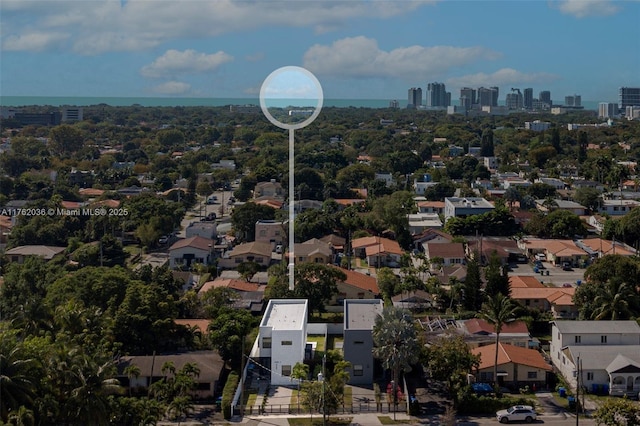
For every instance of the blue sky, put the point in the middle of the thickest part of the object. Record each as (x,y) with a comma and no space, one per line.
(357,49)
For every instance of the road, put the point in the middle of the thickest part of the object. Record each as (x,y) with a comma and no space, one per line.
(201,209)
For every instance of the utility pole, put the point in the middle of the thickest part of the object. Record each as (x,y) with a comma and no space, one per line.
(577,390)
(324,396)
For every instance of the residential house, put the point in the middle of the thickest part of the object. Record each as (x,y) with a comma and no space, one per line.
(356,285)
(463,207)
(517,366)
(378,251)
(478,332)
(188,252)
(413,300)
(617,207)
(449,253)
(249,295)
(271,189)
(420,188)
(421,221)
(282,338)
(256,251)
(314,251)
(430,235)
(524,281)
(556,183)
(387,178)
(505,248)
(556,251)
(209,364)
(336,242)
(359,320)
(20,253)
(557,300)
(597,247)
(560,204)
(206,230)
(607,352)
(271,231)
(431,207)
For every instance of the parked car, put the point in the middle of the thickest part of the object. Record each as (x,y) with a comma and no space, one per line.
(163,240)
(212,199)
(279,249)
(517,413)
(210,217)
(566,266)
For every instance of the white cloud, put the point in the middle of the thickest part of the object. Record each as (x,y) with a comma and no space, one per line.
(361,57)
(584,8)
(172,88)
(502,77)
(33,42)
(111,25)
(175,62)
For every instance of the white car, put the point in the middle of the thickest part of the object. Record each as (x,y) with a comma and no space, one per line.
(517,413)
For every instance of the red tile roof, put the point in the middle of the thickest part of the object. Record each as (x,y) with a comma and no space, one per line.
(522,281)
(195,242)
(375,245)
(510,354)
(480,326)
(360,280)
(238,285)
(201,324)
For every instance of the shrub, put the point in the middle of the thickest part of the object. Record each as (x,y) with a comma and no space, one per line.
(228,392)
(474,404)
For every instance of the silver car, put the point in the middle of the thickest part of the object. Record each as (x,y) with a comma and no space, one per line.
(517,413)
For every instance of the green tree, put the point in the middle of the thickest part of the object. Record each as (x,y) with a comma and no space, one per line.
(227,331)
(497,277)
(65,140)
(17,388)
(588,197)
(244,219)
(449,359)
(618,412)
(498,311)
(300,372)
(471,295)
(317,283)
(395,341)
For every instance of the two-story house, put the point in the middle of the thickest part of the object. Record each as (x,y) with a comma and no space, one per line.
(282,338)
(359,319)
(605,355)
(270,231)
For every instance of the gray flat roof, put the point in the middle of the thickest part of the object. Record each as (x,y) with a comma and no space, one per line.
(598,327)
(285,314)
(360,314)
(598,357)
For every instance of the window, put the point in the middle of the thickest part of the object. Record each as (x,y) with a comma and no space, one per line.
(358,370)
(258,260)
(358,342)
(286,370)
(603,339)
(238,260)
(360,295)
(486,377)
(532,375)
(266,342)
(527,302)
(589,375)
(286,343)
(577,339)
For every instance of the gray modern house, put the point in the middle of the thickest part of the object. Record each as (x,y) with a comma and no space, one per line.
(359,318)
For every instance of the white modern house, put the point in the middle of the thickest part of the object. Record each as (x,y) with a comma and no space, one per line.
(282,338)
(605,355)
(463,207)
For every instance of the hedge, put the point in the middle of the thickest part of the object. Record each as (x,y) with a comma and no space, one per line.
(474,404)
(228,392)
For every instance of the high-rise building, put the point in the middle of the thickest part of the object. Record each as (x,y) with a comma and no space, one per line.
(394,104)
(495,91)
(528,98)
(514,99)
(629,96)
(467,97)
(607,110)
(437,95)
(545,96)
(415,98)
(488,97)
(573,100)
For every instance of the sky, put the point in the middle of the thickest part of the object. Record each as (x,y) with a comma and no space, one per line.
(371,49)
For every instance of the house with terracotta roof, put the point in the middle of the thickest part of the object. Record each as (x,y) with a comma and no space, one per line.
(478,332)
(431,207)
(314,251)
(557,300)
(188,252)
(378,251)
(505,248)
(259,252)
(249,295)
(450,253)
(556,251)
(524,281)
(517,367)
(356,286)
(599,247)
(91,192)
(430,236)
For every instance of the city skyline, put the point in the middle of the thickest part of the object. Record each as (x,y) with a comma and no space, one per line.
(357,49)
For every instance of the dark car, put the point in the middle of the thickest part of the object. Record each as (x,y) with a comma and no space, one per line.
(566,266)
(210,217)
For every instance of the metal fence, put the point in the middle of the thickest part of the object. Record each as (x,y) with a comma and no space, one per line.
(359,407)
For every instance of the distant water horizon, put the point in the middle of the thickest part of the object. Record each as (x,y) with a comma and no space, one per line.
(86,101)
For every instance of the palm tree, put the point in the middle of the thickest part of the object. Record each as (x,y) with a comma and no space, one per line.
(616,300)
(16,387)
(132,371)
(498,311)
(395,341)
(300,372)
(180,407)
(21,417)
(93,385)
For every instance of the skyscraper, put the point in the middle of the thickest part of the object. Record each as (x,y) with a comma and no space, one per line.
(607,110)
(514,99)
(573,100)
(415,98)
(545,96)
(437,96)
(485,96)
(467,97)
(629,96)
(495,91)
(528,98)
